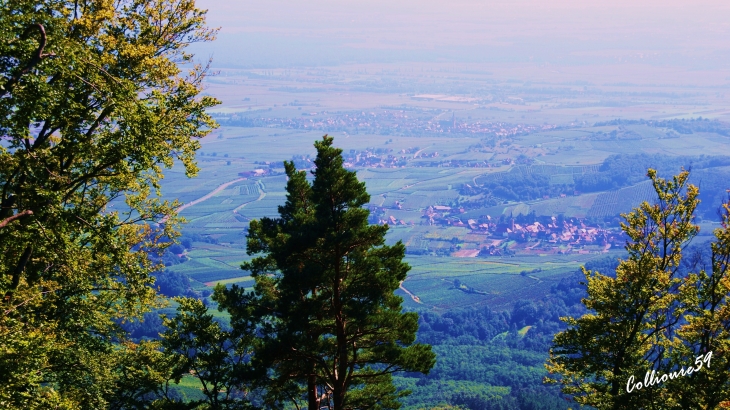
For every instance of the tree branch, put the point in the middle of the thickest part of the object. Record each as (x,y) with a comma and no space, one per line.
(19,271)
(28,301)
(19,215)
(38,56)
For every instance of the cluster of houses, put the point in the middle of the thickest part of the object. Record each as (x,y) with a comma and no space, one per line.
(256,173)
(391,220)
(384,158)
(375,158)
(389,122)
(563,235)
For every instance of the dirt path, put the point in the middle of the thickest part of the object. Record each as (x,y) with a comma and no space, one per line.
(210,194)
(414,297)
(419,151)
(425,180)
(205,197)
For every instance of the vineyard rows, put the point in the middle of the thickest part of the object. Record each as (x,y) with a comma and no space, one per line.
(564,171)
(249,189)
(613,203)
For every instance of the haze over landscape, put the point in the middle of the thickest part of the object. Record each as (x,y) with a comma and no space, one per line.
(339,204)
(499,140)
(592,40)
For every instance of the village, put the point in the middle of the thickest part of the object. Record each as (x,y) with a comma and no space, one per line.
(386,122)
(483,236)
(509,236)
(384,158)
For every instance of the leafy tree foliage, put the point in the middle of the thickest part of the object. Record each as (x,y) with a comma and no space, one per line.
(517,185)
(706,327)
(219,358)
(93,104)
(330,325)
(616,171)
(682,126)
(651,315)
(140,373)
(534,399)
(172,283)
(622,170)
(149,327)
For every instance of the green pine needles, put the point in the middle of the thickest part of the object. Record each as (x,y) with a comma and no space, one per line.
(331,329)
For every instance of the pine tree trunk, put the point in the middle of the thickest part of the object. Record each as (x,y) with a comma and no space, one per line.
(312,392)
(338,398)
(341,371)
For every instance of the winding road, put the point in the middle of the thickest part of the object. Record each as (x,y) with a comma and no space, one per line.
(414,297)
(205,197)
(210,194)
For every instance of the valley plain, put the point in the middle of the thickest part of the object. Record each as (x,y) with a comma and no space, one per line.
(437,145)
(501,189)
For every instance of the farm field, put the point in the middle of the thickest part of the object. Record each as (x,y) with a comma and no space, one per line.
(431,279)
(210,263)
(241,179)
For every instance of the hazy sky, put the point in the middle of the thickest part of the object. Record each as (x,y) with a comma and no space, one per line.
(689,34)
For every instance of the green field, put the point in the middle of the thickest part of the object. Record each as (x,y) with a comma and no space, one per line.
(431,279)
(404,194)
(209,262)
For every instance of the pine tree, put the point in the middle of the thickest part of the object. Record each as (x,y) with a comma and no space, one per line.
(331,327)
